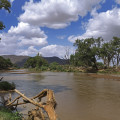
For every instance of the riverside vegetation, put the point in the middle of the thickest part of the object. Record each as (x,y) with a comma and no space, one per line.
(6,114)
(6,86)
(5,63)
(85,59)
(88,52)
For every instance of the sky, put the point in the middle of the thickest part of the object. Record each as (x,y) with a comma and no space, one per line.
(50,27)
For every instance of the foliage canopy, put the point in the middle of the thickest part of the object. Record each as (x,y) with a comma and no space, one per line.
(90,50)
(35,62)
(5,63)
(4,4)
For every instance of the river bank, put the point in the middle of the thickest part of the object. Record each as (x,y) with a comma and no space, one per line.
(6,114)
(67,68)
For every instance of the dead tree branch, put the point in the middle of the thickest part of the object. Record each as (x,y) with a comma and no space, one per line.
(48,106)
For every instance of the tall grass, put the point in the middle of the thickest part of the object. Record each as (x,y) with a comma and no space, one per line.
(6,114)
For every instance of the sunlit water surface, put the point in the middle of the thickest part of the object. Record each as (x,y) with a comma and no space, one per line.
(79,96)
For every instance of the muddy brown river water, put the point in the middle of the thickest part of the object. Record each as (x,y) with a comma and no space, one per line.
(79,96)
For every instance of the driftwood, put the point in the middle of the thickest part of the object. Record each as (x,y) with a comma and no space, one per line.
(36,114)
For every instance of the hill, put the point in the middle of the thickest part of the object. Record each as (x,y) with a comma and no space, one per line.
(55,59)
(20,60)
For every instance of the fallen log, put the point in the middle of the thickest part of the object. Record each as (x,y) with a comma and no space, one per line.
(48,106)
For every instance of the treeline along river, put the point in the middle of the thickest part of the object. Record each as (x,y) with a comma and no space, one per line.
(80,96)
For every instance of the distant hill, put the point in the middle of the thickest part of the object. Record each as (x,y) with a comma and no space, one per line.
(20,60)
(55,59)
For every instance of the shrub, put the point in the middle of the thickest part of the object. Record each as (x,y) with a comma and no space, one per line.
(4,85)
(44,68)
(6,114)
(54,66)
(100,65)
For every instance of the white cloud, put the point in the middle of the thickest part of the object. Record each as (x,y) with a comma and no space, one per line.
(61,37)
(117,1)
(29,35)
(26,37)
(12,1)
(27,30)
(22,37)
(105,24)
(55,50)
(30,51)
(56,13)
(8,44)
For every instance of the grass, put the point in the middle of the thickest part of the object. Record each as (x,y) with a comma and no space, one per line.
(70,68)
(109,71)
(6,114)
(4,85)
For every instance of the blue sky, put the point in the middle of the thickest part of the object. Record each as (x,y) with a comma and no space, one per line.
(52,26)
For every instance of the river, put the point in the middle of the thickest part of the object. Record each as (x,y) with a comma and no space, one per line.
(80,96)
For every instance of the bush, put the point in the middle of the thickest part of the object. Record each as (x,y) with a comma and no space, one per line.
(5,63)
(100,65)
(54,66)
(4,85)
(35,62)
(6,114)
(44,68)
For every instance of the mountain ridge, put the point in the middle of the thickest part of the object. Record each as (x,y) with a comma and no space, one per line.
(20,60)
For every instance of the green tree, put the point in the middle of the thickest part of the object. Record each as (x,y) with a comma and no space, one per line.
(87,52)
(35,62)
(54,66)
(5,63)
(107,53)
(6,5)
(116,47)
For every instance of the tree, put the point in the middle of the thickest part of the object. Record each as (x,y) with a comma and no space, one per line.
(116,47)
(107,53)
(90,50)
(67,55)
(87,52)
(35,62)
(6,5)
(5,63)
(110,52)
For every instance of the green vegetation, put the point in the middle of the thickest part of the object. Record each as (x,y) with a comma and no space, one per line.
(6,5)
(86,53)
(6,114)
(90,50)
(4,85)
(36,62)
(5,63)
